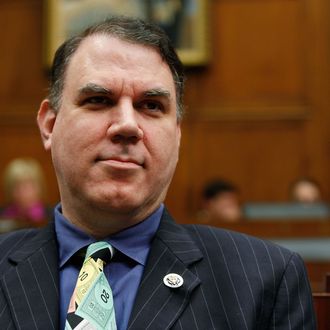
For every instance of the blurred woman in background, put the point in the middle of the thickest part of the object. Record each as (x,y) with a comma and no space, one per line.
(24,192)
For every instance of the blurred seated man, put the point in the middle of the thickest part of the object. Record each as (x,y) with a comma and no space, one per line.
(221,201)
(305,191)
(24,188)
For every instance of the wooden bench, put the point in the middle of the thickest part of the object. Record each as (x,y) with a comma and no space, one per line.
(322,306)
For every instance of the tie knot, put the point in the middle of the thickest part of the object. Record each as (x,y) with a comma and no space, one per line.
(100,250)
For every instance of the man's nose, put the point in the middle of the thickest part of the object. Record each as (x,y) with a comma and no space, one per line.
(124,124)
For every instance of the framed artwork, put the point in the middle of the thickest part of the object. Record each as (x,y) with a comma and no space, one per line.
(185,21)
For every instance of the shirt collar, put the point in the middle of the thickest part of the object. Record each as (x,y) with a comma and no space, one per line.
(134,241)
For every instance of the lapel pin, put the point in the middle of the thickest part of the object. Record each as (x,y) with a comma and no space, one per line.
(173,280)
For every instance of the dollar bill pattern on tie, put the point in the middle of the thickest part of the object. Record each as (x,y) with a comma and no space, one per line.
(91,306)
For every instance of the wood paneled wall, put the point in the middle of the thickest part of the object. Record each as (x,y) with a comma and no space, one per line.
(23,84)
(257,114)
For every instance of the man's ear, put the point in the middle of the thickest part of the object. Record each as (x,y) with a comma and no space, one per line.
(46,120)
(179,134)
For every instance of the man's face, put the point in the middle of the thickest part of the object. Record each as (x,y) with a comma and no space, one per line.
(225,206)
(115,139)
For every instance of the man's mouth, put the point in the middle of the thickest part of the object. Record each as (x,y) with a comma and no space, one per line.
(123,163)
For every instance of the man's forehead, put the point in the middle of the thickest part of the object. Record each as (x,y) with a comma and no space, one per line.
(91,58)
(107,43)
(106,49)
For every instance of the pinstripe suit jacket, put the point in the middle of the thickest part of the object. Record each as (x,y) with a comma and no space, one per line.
(231,281)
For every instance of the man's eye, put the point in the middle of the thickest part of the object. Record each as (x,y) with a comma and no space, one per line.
(151,106)
(97,100)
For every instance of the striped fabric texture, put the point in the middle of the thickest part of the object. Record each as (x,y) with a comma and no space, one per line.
(230,281)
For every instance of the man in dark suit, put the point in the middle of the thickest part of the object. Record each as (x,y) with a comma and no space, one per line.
(112,125)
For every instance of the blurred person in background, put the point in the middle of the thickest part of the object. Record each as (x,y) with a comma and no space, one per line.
(306,191)
(24,191)
(221,201)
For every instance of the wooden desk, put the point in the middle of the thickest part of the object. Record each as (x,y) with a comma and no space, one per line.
(322,309)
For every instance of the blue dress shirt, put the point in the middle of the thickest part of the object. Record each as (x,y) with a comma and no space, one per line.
(125,270)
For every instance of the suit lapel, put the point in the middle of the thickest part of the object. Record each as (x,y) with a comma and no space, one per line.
(172,251)
(31,286)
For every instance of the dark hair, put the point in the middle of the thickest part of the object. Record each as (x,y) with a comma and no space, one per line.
(218,186)
(124,28)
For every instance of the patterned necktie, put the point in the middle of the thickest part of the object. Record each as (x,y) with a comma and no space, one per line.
(91,305)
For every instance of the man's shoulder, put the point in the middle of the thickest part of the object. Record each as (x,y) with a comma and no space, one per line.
(16,246)
(17,237)
(22,238)
(213,240)
(227,241)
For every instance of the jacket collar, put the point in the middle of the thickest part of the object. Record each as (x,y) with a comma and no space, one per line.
(31,285)
(172,252)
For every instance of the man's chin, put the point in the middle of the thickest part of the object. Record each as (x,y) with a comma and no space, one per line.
(117,206)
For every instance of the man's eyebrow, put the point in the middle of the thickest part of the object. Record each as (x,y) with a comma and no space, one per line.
(157,92)
(91,88)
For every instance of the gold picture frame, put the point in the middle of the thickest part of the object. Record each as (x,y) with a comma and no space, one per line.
(184,20)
